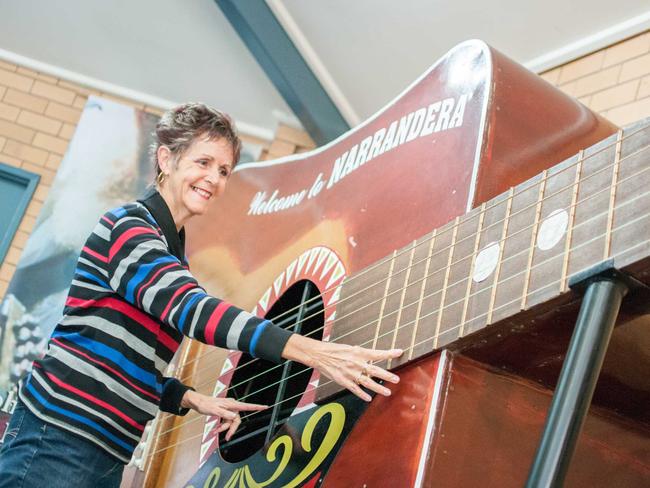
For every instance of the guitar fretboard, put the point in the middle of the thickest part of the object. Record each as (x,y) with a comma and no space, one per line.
(512,253)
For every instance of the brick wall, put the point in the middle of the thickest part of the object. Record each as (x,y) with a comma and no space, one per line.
(287,141)
(614,82)
(38,116)
(39,113)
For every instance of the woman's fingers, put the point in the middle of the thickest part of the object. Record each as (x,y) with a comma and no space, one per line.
(372,385)
(245,407)
(233,427)
(226,408)
(383,354)
(377,372)
(359,367)
(231,417)
(229,409)
(225,413)
(356,389)
(368,371)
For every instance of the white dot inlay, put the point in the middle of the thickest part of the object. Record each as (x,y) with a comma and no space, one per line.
(486,261)
(552,229)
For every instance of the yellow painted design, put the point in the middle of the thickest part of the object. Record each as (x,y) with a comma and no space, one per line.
(337,421)
(287,444)
(212,479)
(243,478)
(232,482)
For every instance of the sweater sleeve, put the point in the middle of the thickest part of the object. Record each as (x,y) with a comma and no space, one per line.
(172,395)
(143,271)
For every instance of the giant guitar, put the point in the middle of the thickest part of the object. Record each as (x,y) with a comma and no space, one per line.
(448,224)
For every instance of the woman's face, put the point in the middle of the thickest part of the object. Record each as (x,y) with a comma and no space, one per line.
(197,178)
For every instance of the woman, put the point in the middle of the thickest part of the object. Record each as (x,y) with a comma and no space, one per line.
(83,408)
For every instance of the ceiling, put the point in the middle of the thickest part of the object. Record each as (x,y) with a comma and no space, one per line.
(365,52)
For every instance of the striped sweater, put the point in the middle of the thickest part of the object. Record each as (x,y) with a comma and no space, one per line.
(132,299)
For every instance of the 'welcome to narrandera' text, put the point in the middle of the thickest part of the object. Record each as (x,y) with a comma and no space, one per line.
(438,116)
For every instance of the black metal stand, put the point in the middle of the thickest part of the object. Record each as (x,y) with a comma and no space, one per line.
(605,288)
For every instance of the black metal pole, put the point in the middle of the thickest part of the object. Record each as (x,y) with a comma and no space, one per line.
(577,381)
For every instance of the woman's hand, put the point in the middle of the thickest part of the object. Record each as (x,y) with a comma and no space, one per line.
(350,366)
(226,408)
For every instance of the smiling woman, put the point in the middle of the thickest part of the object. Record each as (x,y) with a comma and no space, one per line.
(189,181)
(132,300)
(195,151)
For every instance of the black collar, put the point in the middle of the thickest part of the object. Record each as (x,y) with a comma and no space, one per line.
(161,213)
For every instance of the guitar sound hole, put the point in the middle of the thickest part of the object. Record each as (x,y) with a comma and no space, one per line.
(299,309)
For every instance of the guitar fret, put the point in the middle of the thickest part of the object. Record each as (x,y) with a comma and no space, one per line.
(421,299)
(445,282)
(383,301)
(588,239)
(401,300)
(477,240)
(497,271)
(533,238)
(631,227)
(450,289)
(564,281)
(612,195)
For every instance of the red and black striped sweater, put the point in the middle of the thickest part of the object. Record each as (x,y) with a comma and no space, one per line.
(132,299)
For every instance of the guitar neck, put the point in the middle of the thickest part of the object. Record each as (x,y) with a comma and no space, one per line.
(513,252)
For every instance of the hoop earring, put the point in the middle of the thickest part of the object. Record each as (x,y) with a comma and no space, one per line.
(160,178)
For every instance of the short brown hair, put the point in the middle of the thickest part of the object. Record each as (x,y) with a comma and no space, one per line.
(179,126)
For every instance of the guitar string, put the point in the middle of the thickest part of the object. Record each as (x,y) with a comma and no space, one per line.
(523,189)
(445,306)
(428,339)
(408,249)
(407,305)
(424,297)
(527,185)
(451,304)
(398,290)
(406,324)
(401,270)
(540,263)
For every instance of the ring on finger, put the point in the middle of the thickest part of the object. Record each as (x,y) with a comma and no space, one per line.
(364,371)
(357,380)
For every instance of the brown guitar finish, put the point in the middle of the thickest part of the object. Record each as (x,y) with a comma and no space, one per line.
(491,426)
(487,427)
(502,126)
(397,424)
(407,191)
(530,129)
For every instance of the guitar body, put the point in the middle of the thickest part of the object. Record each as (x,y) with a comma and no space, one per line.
(469,425)
(471,127)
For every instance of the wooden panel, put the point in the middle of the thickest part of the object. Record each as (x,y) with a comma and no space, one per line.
(547,264)
(632,194)
(380,189)
(491,424)
(452,308)
(434,289)
(394,297)
(410,325)
(482,290)
(384,447)
(516,249)
(590,226)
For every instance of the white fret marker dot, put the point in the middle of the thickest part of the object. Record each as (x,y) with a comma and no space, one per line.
(486,261)
(552,229)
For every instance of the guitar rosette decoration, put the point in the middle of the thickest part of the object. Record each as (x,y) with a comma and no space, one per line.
(315,431)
